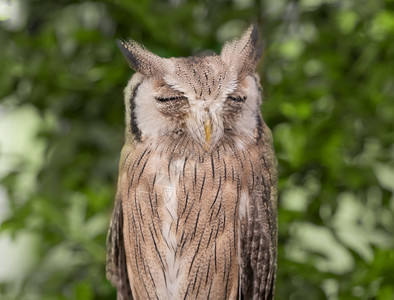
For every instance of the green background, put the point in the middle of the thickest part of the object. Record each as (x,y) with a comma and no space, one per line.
(328,78)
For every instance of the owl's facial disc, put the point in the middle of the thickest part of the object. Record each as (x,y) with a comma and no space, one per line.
(208,98)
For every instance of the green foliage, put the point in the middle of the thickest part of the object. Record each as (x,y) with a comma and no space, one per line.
(327,73)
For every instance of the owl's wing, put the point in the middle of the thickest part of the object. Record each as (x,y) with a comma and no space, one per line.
(258,240)
(116,266)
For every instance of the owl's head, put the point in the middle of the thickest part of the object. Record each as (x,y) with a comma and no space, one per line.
(209,98)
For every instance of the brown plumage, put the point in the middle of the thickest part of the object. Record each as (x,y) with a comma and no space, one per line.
(195,210)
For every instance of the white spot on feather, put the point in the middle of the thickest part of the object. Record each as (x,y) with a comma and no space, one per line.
(242,213)
(173,264)
(243,205)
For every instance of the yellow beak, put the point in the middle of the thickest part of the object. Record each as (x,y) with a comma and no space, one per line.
(208,131)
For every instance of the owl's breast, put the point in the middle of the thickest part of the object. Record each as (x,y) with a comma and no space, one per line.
(181,222)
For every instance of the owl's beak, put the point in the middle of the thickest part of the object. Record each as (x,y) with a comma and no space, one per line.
(208,131)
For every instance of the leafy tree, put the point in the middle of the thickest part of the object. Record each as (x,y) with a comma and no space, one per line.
(329,87)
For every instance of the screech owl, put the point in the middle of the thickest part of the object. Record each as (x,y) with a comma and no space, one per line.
(195,215)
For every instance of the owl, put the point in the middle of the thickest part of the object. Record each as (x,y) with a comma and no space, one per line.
(195,214)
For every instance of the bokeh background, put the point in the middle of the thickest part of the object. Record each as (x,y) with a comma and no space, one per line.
(328,78)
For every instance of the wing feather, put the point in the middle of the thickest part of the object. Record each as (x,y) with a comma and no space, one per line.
(116,266)
(258,241)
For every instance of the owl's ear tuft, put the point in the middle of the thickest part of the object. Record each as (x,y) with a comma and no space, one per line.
(242,55)
(142,60)
(124,47)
